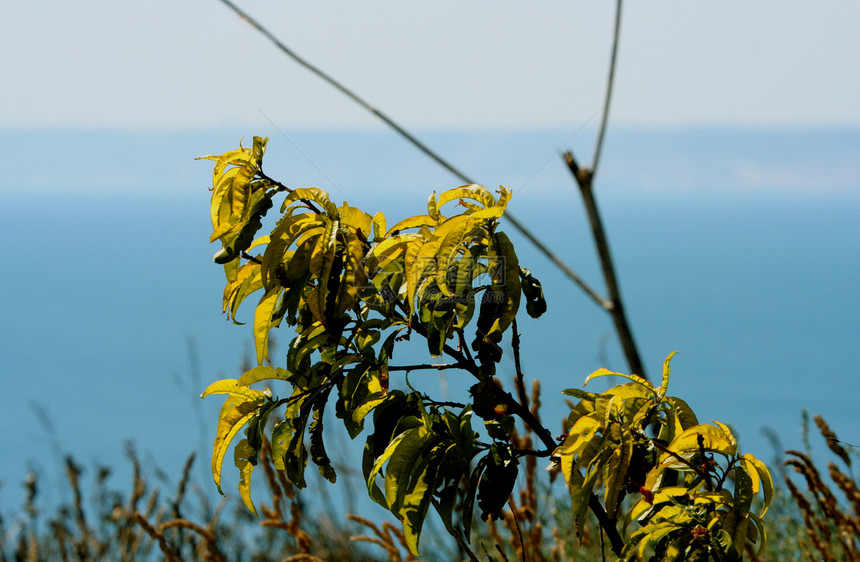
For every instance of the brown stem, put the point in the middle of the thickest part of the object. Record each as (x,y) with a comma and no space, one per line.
(584,178)
(426,366)
(515,344)
(607,524)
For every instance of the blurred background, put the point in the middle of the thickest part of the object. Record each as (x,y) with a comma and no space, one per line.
(729,185)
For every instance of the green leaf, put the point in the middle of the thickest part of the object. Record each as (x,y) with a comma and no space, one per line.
(318,452)
(281,435)
(615,471)
(449,235)
(533,291)
(299,229)
(497,482)
(510,282)
(471,494)
(407,452)
(419,493)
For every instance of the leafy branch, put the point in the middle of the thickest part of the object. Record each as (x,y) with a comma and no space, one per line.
(353,289)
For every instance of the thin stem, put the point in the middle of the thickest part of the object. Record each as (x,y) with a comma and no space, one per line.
(607,524)
(426,366)
(609,83)
(464,347)
(515,344)
(549,254)
(461,360)
(281,187)
(698,470)
(417,144)
(519,531)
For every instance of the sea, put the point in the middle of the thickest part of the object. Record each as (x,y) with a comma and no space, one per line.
(740,248)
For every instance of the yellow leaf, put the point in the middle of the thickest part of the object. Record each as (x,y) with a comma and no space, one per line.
(263,322)
(474,192)
(665,384)
(232,386)
(263,373)
(315,195)
(241,458)
(449,235)
(235,413)
(379,227)
(320,267)
(760,476)
(496,211)
(356,219)
(603,372)
(731,438)
(713,439)
(579,435)
(387,251)
(411,222)
(432,206)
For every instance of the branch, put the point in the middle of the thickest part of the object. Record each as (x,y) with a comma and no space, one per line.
(607,524)
(515,344)
(281,187)
(426,366)
(584,178)
(462,362)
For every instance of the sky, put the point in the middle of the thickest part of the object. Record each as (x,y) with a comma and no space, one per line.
(181,64)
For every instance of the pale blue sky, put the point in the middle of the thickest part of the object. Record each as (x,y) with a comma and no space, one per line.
(181,64)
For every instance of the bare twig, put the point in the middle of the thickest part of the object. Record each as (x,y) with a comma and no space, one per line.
(426,366)
(518,380)
(609,83)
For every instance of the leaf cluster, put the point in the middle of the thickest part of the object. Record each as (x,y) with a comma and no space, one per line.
(352,288)
(690,492)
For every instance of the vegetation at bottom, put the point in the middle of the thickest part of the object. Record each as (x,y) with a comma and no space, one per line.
(812,516)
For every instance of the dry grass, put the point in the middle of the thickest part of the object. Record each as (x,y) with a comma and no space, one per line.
(142,525)
(832,526)
(821,522)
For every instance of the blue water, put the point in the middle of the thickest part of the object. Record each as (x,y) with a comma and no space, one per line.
(738,248)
